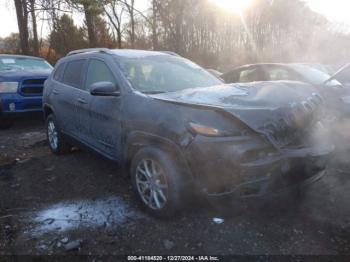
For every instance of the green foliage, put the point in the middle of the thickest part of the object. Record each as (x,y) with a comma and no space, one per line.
(66,36)
(100,29)
(94,6)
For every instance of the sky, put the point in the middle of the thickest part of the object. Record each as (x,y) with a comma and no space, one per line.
(335,10)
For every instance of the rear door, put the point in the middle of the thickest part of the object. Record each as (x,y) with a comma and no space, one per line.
(58,96)
(105,111)
(72,106)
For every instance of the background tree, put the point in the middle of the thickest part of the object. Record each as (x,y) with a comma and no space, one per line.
(91,9)
(130,6)
(22,20)
(197,29)
(34,28)
(10,44)
(66,36)
(114,10)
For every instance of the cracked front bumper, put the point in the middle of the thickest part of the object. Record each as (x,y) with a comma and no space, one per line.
(221,168)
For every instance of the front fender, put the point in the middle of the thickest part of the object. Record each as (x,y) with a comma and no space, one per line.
(139,139)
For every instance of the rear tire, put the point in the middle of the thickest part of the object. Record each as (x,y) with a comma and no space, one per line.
(56,141)
(158,182)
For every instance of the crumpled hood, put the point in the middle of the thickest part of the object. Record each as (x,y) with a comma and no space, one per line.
(274,109)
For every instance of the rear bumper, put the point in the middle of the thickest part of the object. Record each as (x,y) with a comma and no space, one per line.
(220,171)
(15,105)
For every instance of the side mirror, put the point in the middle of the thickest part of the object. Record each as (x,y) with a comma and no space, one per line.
(104,89)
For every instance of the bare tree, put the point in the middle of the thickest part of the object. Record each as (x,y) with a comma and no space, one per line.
(130,6)
(34,28)
(114,11)
(22,20)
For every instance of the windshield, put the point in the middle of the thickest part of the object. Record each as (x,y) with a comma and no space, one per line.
(16,63)
(314,76)
(162,73)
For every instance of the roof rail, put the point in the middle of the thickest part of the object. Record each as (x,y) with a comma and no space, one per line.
(170,53)
(87,50)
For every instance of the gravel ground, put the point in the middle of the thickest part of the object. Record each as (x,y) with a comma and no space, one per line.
(80,204)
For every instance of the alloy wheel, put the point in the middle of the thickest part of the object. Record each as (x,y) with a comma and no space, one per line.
(52,135)
(151,184)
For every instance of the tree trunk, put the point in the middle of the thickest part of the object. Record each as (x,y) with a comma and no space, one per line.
(22,21)
(154,26)
(89,17)
(178,28)
(116,25)
(132,20)
(35,32)
(131,7)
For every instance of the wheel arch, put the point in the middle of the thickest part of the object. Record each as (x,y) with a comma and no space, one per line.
(47,110)
(139,139)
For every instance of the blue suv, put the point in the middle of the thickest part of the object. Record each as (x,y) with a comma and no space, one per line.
(21,86)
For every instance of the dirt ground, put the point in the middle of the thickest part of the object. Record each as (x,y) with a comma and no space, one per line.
(80,204)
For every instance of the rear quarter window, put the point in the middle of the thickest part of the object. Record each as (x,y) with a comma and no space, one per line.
(72,73)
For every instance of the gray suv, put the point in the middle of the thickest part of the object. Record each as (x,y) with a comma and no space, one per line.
(177,129)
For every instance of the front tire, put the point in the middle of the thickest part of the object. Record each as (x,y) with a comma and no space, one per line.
(55,139)
(157,182)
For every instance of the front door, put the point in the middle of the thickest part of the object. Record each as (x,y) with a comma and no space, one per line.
(105,115)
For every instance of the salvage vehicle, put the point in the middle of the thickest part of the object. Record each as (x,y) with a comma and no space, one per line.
(335,88)
(328,69)
(21,86)
(177,129)
(277,72)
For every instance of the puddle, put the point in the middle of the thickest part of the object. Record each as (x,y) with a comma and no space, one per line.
(82,214)
(32,139)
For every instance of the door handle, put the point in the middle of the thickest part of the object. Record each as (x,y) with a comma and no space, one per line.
(81,101)
(55,92)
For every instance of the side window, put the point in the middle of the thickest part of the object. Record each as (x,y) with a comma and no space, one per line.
(249,75)
(98,71)
(72,73)
(231,77)
(59,72)
(276,74)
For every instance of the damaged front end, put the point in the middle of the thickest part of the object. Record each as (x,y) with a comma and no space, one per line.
(273,138)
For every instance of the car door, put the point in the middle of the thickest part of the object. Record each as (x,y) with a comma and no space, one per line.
(74,102)
(65,91)
(59,98)
(83,100)
(105,114)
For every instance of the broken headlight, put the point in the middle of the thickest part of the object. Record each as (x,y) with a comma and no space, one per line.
(205,130)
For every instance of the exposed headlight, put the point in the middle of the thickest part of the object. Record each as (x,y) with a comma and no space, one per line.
(204,130)
(211,131)
(8,87)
